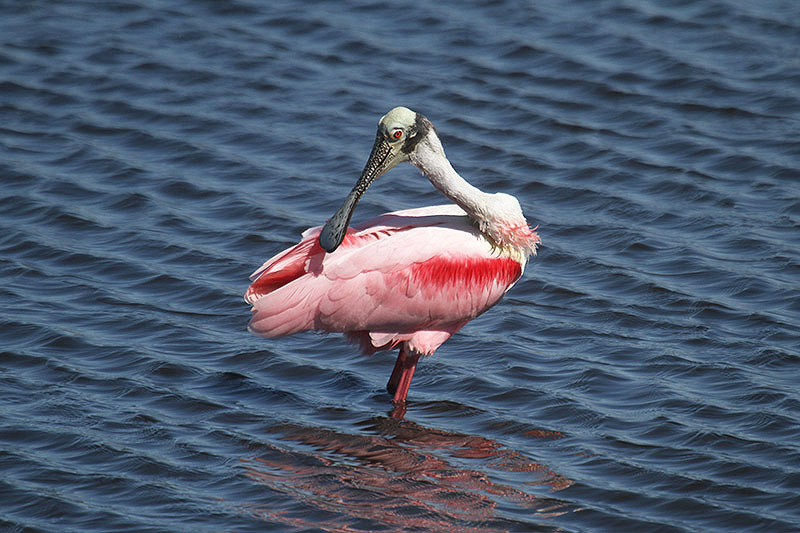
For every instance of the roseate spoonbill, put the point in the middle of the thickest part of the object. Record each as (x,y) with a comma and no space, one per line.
(409,278)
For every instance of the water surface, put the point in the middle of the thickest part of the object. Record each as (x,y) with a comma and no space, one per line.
(642,375)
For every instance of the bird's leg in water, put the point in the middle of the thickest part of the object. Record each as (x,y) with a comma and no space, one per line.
(400,380)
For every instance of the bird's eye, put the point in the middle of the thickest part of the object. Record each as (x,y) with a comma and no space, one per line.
(397,134)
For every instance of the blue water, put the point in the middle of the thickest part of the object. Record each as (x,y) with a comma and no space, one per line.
(641,376)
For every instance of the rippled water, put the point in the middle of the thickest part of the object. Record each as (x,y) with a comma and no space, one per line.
(643,375)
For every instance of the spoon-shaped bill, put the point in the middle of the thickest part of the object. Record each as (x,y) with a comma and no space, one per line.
(334,231)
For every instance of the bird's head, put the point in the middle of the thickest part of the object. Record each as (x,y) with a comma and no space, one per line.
(399,132)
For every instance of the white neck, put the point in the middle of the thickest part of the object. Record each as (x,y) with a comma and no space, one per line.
(429,158)
(498,216)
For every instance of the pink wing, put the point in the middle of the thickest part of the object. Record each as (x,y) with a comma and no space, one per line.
(415,276)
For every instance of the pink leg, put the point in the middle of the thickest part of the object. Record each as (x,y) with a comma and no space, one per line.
(400,380)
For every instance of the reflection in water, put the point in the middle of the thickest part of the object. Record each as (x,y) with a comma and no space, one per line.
(400,475)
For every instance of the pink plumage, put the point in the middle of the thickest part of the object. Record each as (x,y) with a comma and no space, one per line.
(410,278)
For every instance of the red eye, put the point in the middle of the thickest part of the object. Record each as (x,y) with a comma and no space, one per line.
(397,134)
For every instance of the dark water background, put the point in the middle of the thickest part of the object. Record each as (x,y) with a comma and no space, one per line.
(642,376)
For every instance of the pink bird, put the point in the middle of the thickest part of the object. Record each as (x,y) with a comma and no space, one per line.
(408,278)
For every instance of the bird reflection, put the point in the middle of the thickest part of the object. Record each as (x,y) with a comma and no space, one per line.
(397,474)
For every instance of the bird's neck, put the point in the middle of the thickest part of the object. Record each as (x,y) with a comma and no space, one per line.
(498,216)
(429,158)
